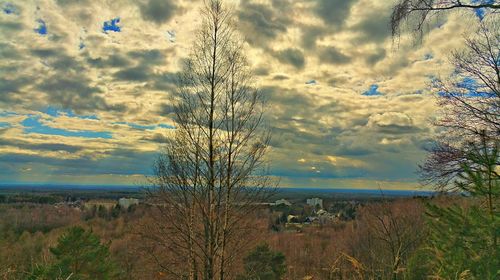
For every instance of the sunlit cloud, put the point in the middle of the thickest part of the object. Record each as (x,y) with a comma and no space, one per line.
(86,87)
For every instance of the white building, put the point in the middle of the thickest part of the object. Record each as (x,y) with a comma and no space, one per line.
(282,201)
(127,202)
(315,201)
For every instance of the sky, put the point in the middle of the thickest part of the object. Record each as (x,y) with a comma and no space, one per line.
(85,86)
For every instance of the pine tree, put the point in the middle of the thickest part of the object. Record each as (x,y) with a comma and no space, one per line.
(79,255)
(463,242)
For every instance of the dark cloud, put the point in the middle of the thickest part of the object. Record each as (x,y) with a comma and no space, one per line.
(112,61)
(58,60)
(138,74)
(142,71)
(72,92)
(150,57)
(71,2)
(411,97)
(292,56)
(375,57)
(165,109)
(8,87)
(310,35)
(261,71)
(284,102)
(260,23)
(288,118)
(156,138)
(67,63)
(9,51)
(10,28)
(334,12)
(335,81)
(11,90)
(158,11)
(348,150)
(393,123)
(40,146)
(119,162)
(45,52)
(164,81)
(398,129)
(333,56)
(280,77)
(375,27)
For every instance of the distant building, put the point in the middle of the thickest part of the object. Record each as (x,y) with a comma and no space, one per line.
(322,212)
(106,203)
(292,219)
(127,202)
(315,201)
(282,202)
(310,220)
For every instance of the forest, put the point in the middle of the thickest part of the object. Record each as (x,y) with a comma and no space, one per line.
(388,237)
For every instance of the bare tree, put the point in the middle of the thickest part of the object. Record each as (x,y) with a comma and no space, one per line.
(420,11)
(211,175)
(470,106)
(387,234)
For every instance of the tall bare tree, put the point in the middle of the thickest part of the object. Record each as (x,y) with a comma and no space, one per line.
(470,106)
(418,12)
(211,175)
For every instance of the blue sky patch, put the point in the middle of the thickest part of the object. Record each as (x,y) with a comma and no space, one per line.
(42,27)
(4,124)
(468,84)
(471,88)
(145,127)
(428,56)
(141,127)
(481,12)
(32,124)
(7,113)
(10,9)
(166,126)
(311,82)
(373,91)
(81,46)
(55,112)
(111,25)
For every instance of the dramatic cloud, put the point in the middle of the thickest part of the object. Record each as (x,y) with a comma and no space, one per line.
(334,12)
(334,56)
(158,11)
(86,87)
(261,23)
(292,56)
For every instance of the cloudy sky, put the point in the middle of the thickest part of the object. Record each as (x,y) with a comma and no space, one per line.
(84,87)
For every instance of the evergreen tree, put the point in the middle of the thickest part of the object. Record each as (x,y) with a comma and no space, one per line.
(463,242)
(263,264)
(79,255)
